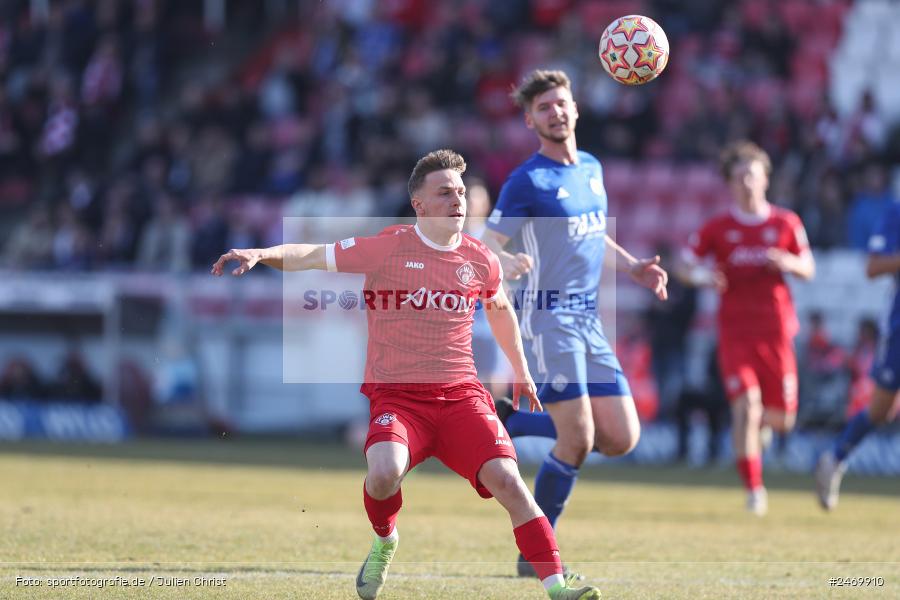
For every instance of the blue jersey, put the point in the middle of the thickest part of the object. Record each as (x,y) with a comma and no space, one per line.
(555,213)
(886,240)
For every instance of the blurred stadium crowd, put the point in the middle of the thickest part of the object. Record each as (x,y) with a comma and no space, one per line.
(140,134)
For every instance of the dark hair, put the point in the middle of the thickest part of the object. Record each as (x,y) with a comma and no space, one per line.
(435,161)
(537,82)
(742,151)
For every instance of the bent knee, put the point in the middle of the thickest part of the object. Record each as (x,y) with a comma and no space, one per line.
(619,444)
(574,449)
(383,482)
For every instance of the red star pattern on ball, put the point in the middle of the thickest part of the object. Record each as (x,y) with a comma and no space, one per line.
(628,25)
(648,54)
(614,56)
(634,79)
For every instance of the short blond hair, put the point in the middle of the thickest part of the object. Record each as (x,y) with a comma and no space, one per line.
(536,83)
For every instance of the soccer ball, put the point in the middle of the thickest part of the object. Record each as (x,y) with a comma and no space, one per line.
(634,49)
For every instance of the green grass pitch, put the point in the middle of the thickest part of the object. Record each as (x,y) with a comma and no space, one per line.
(285,520)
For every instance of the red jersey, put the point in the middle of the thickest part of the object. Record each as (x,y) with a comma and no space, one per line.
(758,301)
(420,302)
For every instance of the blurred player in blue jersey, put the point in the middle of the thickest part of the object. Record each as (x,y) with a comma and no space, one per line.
(555,206)
(884,259)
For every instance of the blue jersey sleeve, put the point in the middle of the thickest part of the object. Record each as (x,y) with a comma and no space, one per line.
(886,239)
(514,206)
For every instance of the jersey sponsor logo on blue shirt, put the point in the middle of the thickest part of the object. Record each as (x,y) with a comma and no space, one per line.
(587,224)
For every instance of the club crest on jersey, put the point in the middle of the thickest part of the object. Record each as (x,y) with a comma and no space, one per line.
(596,186)
(465,273)
(769,235)
(386,419)
(348,243)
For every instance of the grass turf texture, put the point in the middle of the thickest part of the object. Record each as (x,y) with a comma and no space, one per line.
(285,520)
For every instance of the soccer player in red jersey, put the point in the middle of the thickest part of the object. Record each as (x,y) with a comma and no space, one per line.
(752,248)
(422,286)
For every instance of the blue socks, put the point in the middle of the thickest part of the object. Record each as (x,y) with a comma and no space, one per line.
(553,485)
(528,423)
(853,433)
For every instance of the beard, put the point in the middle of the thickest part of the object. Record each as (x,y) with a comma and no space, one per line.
(555,136)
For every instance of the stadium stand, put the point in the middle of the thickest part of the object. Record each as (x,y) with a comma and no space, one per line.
(148,137)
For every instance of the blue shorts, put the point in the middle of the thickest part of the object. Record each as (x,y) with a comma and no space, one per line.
(570,361)
(886,368)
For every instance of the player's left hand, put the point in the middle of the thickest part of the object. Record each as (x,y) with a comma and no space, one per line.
(648,273)
(524,385)
(779,260)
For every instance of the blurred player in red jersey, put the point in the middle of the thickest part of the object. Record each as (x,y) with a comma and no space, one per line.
(752,248)
(422,285)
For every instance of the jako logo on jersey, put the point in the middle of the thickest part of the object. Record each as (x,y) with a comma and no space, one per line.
(446,301)
(749,256)
(411,264)
(386,419)
(562,194)
(589,223)
(465,273)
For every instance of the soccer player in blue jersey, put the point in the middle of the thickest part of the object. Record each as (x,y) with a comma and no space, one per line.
(884,259)
(555,206)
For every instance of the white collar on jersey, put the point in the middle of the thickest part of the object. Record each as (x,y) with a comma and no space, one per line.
(431,244)
(745,218)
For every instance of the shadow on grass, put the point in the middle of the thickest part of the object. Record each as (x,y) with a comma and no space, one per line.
(293,453)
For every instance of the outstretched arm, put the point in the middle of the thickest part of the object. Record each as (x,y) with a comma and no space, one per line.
(287,257)
(644,271)
(505,327)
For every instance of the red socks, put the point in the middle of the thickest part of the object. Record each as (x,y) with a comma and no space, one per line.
(537,543)
(382,513)
(750,470)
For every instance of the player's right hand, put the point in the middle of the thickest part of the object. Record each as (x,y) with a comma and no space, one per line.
(246,257)
(515,265)
(718,280)
(524,385)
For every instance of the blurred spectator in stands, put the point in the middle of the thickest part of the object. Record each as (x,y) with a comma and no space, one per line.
(118,235)
(20,381)
(709,398)
(72,243)
(210,236)
(30,245)
(872,197)
(668,324)
(74,382)
(823,378)
(824,214)
(822,355)
(859,362)
(166,240)
(59,135)
(212,158)
(867,124)
(253,165)
(180,174)
(101,83)
(147,55)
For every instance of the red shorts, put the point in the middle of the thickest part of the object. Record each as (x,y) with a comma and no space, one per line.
(766,363)
(457,424)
